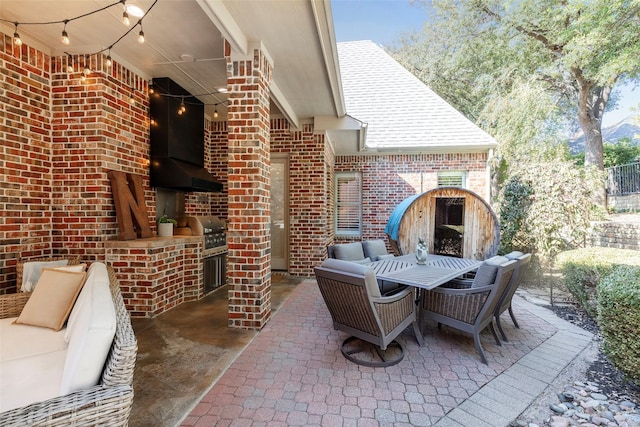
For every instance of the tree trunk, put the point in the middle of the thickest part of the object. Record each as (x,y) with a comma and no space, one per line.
(591,103)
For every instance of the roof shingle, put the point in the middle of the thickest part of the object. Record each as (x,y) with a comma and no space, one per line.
(400,110)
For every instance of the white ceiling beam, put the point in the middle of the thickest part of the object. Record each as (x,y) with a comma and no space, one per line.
(220,16)
(285,107)
(327,37)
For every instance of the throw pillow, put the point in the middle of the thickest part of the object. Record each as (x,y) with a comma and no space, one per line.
(31,271)
(52,300)
(77,268)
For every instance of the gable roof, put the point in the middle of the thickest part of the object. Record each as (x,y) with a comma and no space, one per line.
(400,111)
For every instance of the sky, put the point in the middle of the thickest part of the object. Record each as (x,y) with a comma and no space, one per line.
(385,21)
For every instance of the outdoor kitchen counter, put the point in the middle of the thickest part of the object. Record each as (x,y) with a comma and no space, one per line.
(159,273)
(153,242)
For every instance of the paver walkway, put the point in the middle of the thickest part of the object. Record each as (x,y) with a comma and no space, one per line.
(293,373)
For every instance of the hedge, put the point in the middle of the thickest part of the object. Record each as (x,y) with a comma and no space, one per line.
(619,318)
(583,269)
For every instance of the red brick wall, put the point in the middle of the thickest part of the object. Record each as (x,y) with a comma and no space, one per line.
(307,193)
(248,238)
(26,227)
(156,277)
(60,136)
(389,179)
(215,161)
(98,125)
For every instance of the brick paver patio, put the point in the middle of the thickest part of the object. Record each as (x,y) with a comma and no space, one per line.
(293,373)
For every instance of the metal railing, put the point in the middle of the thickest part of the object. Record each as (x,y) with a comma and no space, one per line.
(623,179)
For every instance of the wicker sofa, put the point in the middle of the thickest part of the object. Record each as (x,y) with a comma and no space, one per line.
(106,404)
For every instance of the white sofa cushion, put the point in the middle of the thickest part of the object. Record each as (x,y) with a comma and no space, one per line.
(22,341)
(31,379)
(90,334)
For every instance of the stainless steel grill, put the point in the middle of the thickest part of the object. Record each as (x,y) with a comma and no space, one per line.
(211,227)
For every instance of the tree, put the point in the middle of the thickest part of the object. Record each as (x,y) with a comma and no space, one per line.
(479,54)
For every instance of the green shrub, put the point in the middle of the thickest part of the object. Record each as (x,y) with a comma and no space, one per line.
(583,269)
(619,319)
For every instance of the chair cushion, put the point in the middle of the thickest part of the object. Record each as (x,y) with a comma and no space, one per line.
(513,255)
(487,271)
(349,251)
(52,300)
(387,256)
(374,248)
(358,269)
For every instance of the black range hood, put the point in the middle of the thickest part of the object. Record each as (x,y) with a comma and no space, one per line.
(177,140)
(178,175)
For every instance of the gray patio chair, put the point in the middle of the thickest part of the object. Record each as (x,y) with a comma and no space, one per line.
(505,301)
(353,298)
(469,310)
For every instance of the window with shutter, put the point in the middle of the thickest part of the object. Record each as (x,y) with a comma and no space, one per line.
(348,211)
(452,179)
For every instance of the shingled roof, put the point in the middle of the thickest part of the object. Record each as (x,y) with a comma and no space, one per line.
(400,111)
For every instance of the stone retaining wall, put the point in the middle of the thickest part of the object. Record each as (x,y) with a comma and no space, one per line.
(612,234)
(624,203)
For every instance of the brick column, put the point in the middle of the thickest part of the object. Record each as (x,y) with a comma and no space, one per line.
(249,217)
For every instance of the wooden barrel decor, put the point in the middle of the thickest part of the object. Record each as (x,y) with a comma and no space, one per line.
(451,220)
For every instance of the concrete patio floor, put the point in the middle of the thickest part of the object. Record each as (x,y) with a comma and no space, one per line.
(292,373)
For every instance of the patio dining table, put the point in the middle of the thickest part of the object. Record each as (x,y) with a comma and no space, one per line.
(437,270)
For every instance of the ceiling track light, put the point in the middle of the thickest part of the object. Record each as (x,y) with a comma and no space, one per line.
(65,36)
(16,37)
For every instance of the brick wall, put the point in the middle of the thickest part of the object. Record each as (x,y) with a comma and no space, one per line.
(98,125)
(389,179)
(155,277)
(248,237)
(308,226)
(26,227)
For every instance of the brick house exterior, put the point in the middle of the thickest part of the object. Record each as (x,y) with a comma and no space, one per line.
(60,136)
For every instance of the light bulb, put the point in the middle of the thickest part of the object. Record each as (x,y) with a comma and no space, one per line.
(109,61)
(65,36)
(84,76)
(215,113)
(141,35)
(69,64)
(86,70)
(125,18)
(16,37)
